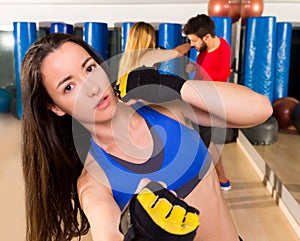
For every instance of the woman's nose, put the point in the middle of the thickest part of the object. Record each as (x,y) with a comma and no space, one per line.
(92,90)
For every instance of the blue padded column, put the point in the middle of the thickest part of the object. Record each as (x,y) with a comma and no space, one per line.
(5,100)
(223,27)
(61,28)
(282,64)
(193,57)
(124,33)
(169,36)
(25,33)
(259,55)
(96,35)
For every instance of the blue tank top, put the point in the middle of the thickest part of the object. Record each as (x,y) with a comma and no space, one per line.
(184,162)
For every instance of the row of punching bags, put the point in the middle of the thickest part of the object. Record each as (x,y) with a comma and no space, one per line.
(266,55)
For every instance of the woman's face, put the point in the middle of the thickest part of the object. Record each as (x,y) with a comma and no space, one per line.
(77,85)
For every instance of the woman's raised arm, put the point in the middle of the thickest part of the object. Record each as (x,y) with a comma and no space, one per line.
(238,105)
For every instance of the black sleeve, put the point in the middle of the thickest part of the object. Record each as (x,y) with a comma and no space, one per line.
(148,84)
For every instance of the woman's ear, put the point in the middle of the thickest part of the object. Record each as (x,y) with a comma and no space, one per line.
(56,109)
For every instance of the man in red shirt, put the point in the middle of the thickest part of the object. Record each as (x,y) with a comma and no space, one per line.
(213,63)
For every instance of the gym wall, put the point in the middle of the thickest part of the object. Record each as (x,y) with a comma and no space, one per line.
(113,11)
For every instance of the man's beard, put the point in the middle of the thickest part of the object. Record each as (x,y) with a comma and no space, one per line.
(203,47)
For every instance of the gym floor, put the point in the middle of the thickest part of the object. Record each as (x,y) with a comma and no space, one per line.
(256,214)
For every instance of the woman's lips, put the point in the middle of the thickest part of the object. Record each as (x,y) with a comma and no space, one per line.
(103,103)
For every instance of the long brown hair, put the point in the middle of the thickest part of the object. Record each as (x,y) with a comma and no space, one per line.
(51,163)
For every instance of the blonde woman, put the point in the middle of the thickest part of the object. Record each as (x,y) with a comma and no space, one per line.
(140,50)
(140,79)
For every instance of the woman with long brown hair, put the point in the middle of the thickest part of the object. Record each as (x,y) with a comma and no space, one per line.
(76,179)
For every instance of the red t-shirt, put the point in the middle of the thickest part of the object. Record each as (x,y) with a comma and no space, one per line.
(214,65)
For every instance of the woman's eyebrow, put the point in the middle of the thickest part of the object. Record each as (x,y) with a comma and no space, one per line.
(63,81)
(87,60)
(68,77)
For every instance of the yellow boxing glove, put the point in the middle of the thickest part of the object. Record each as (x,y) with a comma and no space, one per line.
(156,214)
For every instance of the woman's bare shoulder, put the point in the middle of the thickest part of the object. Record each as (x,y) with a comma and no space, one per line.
(92,176)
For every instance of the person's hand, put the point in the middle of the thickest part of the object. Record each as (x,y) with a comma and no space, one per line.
(190,67)
(157,214)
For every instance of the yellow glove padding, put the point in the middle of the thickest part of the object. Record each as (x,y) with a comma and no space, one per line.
(174,219)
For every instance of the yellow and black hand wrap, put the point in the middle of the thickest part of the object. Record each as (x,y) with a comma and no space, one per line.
(156,214)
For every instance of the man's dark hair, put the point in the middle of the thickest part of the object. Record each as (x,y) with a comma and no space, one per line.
(200,26)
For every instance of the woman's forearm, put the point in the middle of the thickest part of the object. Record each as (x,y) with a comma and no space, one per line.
(182,49)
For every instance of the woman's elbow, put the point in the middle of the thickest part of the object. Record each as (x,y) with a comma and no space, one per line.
(259,110)
(267,107)
(264,109)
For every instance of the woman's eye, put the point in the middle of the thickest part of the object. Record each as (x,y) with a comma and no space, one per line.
(68,88)
(90,68)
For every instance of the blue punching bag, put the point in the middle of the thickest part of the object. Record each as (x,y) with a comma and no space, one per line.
(5,100)
(124,33)
(223,27)
(96,35)
(25,33)
(259,55)
(57,27)
(169,36)
(193,57)
(282,64)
